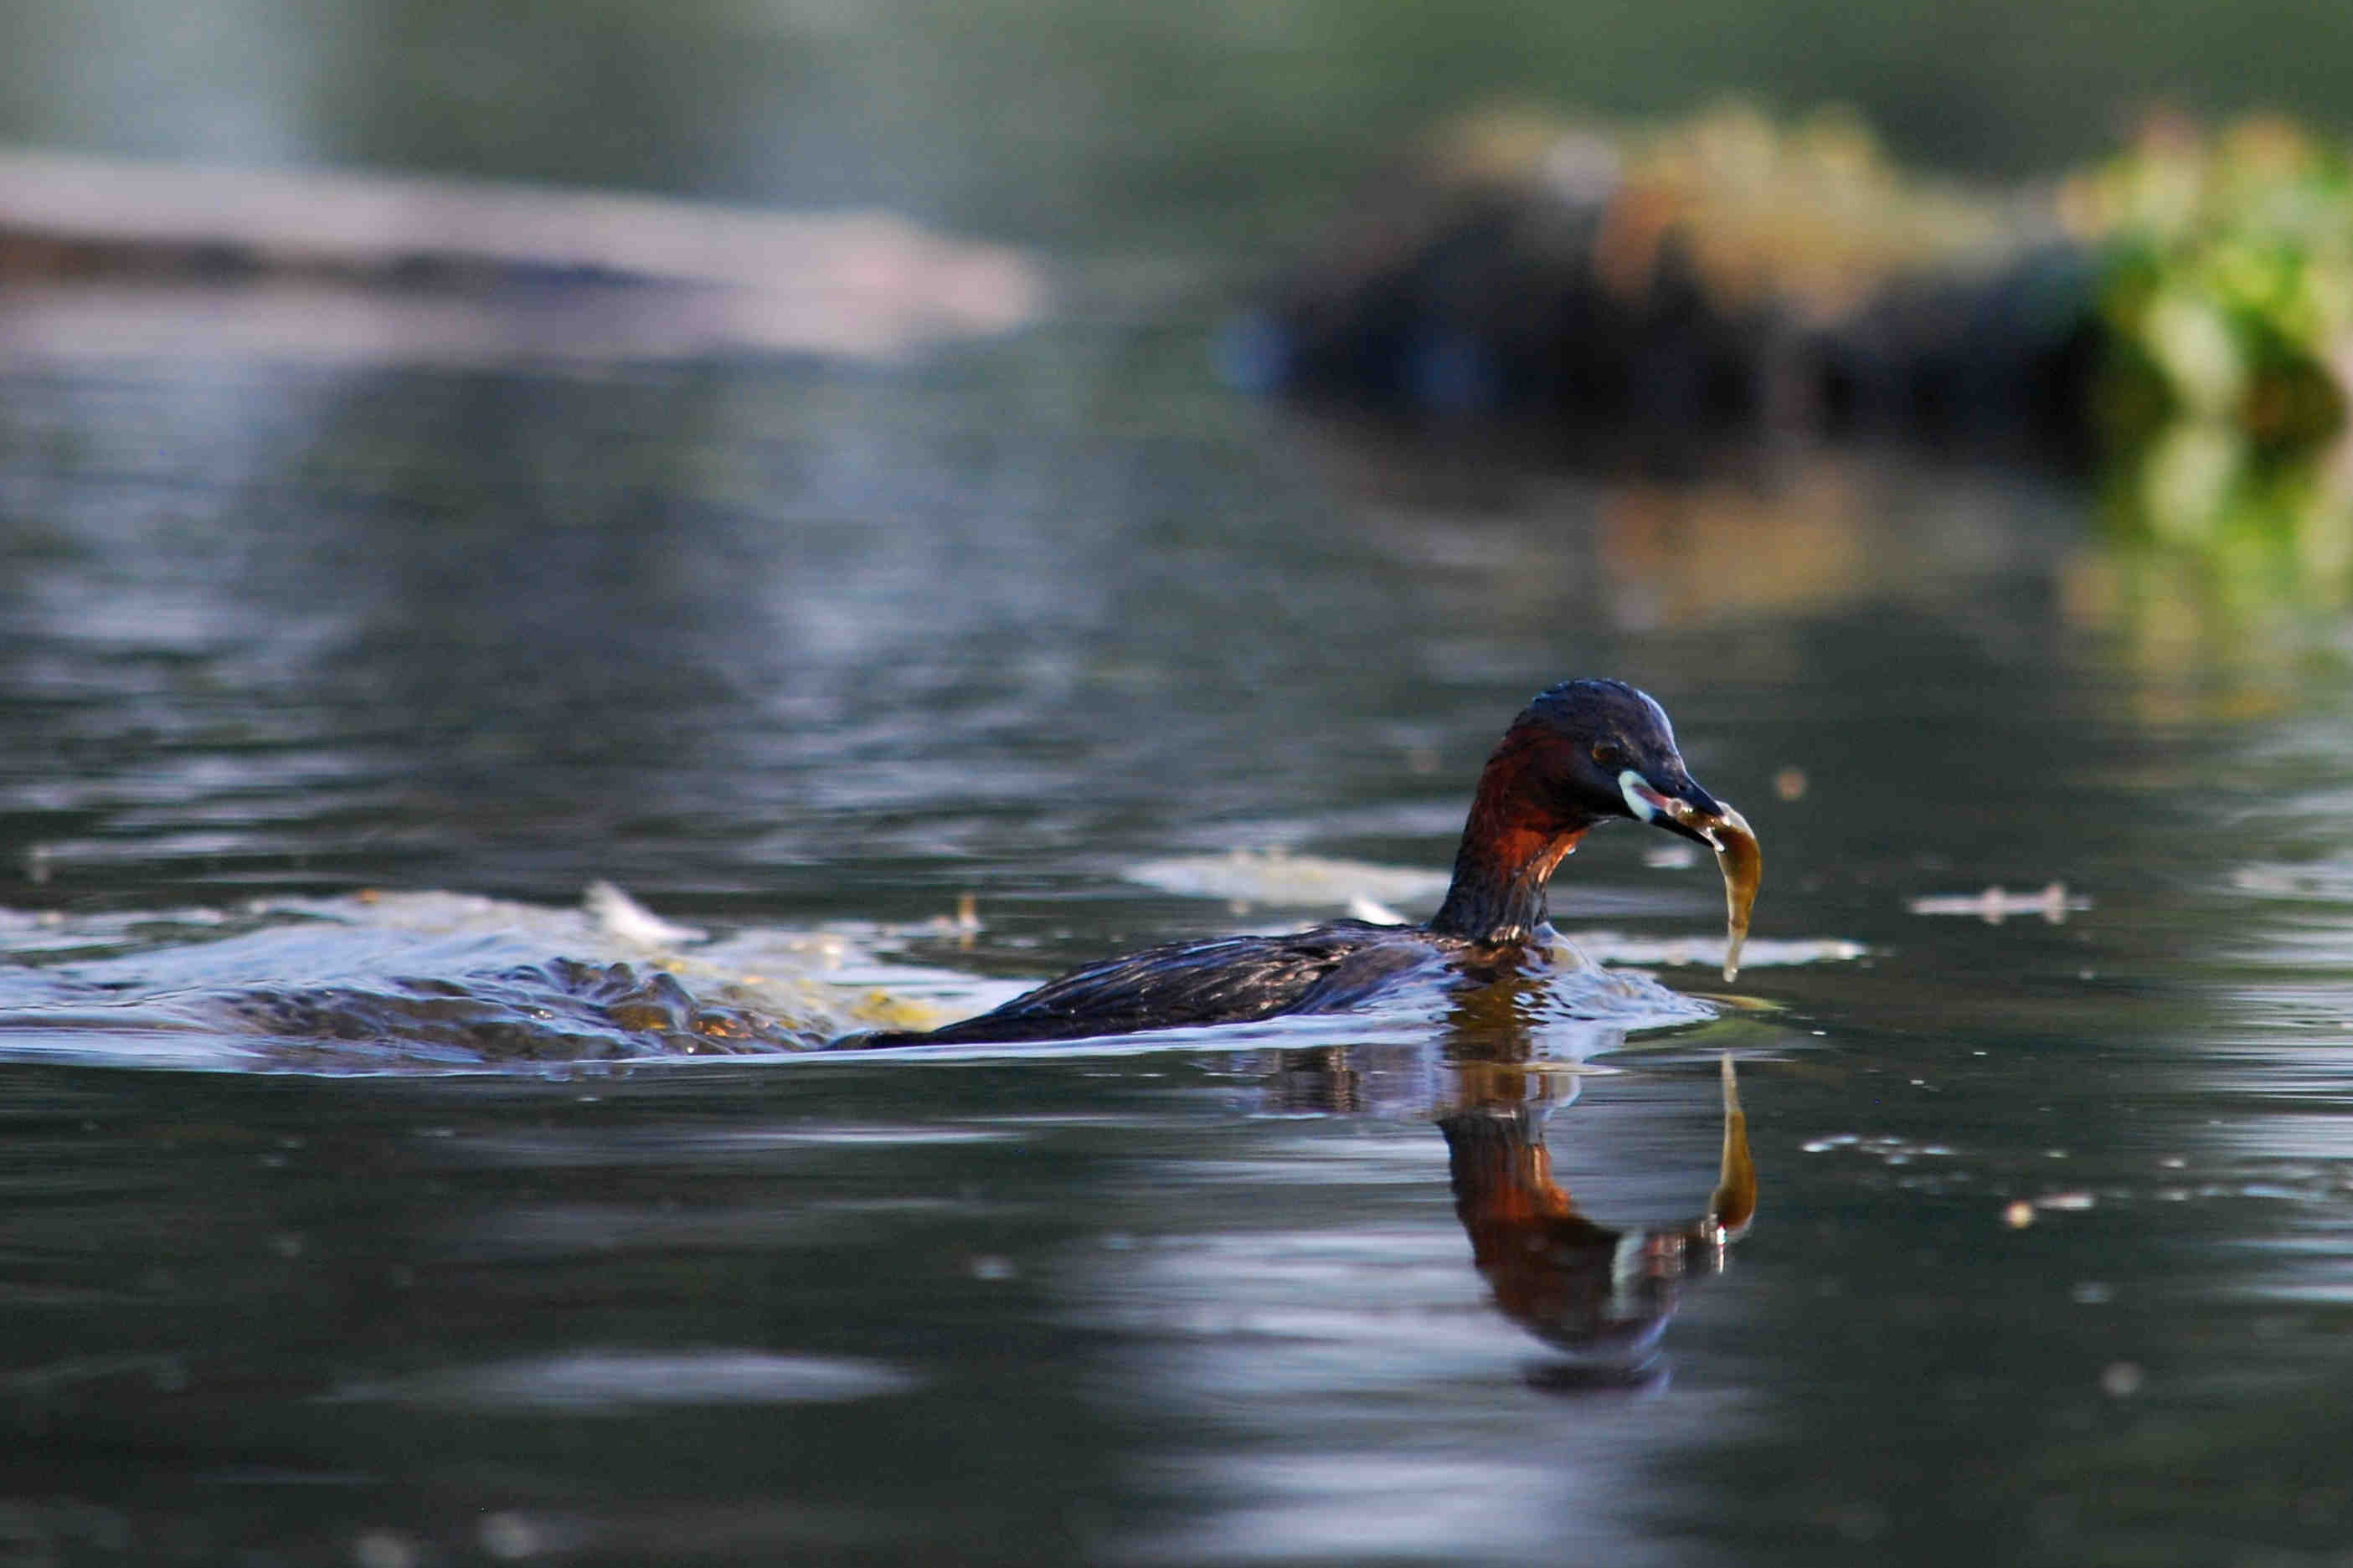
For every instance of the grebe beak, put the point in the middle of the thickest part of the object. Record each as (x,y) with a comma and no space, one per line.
(1688,813)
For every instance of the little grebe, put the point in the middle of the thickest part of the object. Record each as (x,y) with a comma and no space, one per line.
(1582,752)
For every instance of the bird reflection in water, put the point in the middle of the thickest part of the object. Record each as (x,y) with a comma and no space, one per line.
(1601,1294)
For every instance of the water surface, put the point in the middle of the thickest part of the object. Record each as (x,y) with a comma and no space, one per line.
(2048,1265)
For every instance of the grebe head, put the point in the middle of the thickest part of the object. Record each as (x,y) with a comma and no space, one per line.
(1582,753)
(1604,749)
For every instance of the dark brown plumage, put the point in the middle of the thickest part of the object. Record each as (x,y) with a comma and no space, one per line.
(1582,752)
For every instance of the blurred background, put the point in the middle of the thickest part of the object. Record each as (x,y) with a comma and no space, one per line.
(1076,124)
(1041,296)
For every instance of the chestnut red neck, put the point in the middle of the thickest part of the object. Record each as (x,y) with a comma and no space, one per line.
(1515,836)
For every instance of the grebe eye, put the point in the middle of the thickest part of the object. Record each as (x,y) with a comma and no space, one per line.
(1609,754)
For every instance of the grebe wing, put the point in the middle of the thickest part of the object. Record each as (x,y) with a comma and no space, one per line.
(1229,980)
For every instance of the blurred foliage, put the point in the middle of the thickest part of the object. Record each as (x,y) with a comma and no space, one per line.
(2221,264)
(1793,273)
(1811,217)
(2226,306)
(2227,293)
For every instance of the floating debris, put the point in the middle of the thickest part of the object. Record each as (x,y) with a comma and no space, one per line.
(1994,905)
(1888,1147)
(2020,1213)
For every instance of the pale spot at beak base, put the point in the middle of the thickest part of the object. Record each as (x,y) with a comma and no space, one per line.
(1643,801)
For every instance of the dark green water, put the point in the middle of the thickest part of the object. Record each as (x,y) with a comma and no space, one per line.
(792,649)
(776,647)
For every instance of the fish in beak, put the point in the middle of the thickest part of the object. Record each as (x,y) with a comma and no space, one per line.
(1690,812)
